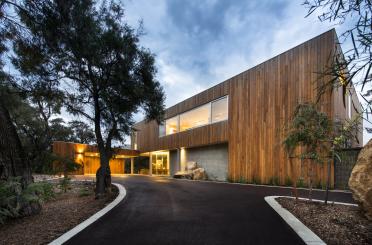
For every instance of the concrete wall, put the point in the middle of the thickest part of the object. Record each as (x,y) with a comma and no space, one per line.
(174,162)
(213,158)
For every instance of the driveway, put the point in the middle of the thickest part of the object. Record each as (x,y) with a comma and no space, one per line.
(166,211)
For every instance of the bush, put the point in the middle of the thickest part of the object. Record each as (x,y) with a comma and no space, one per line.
(301,183)
(64,184)
(17,202)
(288,181)
(274,180)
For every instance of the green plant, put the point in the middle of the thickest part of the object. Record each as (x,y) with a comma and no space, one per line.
(65,184)
(256,180)
(274,180)
(17,202)
(43,190)
(84,192)
(301,183)
(242,180)
(288,181)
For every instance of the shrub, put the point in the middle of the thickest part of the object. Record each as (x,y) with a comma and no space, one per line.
(64,184)
(301,183)
(17,202)
(256,180)
(274,180)
(288,181)
(84,192)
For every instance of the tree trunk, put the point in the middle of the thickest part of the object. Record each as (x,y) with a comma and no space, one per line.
(311,180)
(295,192)
(328,180)
(14,159)
(103,176)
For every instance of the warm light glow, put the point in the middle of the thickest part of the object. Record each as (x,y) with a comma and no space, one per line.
(91,154)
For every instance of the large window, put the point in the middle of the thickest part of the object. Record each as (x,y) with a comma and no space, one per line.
(219,110)
(211,112)
(171,125)
(195,118)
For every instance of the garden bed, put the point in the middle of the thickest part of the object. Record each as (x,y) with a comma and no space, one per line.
(333,223)
(57,216)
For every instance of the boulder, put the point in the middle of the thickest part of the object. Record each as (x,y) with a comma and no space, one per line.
(360,181)
(190,166)
(183,175)
(199,174)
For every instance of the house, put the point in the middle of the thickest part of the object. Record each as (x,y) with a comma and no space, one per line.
(235,129)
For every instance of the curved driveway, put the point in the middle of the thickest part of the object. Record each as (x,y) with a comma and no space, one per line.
(166,211)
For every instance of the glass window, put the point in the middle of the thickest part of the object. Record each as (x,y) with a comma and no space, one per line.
(195,118)
(161,129)
(219,110)
(171,125)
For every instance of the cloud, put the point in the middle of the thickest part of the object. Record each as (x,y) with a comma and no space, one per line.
(201,43)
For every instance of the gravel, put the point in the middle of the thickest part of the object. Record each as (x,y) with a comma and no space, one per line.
(57,216)
(333,223)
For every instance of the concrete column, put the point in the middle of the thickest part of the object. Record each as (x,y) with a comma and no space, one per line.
(150,167)
(132,165)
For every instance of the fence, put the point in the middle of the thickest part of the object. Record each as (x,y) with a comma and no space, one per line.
(343,169)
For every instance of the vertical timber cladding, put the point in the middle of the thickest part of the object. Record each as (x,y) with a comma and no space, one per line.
(261,103)
(81,154)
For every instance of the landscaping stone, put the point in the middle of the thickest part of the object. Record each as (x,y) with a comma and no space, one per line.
(360,181)
(190,166)
(183,175)
(199,174)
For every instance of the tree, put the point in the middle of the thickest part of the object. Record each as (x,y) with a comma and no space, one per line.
(13,158)
(356,64)
(318,138)
(95,59)
(310,131)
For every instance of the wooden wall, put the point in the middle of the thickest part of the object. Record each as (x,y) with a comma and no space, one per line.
(261,103)
(90,164)
(148,133)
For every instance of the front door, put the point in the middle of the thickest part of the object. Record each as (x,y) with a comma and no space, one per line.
(160,163)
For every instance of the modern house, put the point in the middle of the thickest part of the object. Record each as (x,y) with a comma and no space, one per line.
(235,129)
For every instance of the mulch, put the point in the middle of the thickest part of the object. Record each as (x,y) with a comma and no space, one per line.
(333,223)
(56,217)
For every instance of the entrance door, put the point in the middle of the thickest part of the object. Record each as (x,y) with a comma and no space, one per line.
(160,163)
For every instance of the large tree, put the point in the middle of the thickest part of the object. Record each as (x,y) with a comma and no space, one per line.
(95,59)
(13,158)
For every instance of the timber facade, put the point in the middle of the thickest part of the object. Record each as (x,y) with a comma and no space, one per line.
(260,103)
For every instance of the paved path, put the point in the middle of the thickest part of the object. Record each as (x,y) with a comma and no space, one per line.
(166,211)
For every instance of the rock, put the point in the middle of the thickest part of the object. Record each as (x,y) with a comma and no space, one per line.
(183,175)
(199,174)
(190,166)
(360,181)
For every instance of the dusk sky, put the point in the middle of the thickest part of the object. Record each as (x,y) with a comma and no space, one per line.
(201,43)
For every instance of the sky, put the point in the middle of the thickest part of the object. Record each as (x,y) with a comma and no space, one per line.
(200,43)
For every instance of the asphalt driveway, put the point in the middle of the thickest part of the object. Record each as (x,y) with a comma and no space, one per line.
(165,211)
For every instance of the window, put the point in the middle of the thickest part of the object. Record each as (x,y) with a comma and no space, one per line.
(161,130)
(219,110)
(195,118)
(171,125)
(211,112)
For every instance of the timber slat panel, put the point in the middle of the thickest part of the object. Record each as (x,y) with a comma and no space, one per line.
(261,103)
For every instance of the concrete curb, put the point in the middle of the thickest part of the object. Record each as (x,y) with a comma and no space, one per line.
(66,236)
(302,231)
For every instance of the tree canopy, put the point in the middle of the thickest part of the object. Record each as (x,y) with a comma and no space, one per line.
(88,53)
